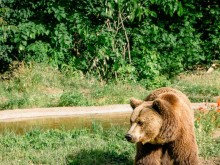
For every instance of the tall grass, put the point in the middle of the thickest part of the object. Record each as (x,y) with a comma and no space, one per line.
(200,87)
(39,85)
(206,123)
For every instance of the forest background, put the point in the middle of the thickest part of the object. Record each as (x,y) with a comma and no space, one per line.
(145,41)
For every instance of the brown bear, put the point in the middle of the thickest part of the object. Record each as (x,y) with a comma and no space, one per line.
(162,126)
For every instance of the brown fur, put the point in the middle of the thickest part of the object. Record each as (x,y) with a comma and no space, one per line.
(163,129)
(155,94)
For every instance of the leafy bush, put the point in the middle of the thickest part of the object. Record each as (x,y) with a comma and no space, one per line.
(132,40)
(73,99)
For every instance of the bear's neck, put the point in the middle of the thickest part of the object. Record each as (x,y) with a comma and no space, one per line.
(151,154)
(147,149)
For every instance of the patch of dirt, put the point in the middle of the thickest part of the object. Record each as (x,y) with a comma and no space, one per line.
(102,100)
(210,161)
(3,99)
(52,91)
(216,133)
(86,92)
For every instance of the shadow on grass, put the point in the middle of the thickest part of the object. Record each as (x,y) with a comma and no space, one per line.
(97,157)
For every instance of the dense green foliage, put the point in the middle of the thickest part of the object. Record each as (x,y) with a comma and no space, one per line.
(134,40)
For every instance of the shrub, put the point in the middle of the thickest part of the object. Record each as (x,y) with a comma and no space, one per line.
(133,40)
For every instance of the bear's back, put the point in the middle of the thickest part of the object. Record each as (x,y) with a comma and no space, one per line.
(156,93)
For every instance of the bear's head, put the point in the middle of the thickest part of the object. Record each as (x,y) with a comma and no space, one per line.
(145,122)
(154,122)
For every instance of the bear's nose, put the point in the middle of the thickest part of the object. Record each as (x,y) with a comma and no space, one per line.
(128,137)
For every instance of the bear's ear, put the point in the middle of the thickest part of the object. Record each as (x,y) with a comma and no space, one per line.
(158,104)
(135,102)
(162,106)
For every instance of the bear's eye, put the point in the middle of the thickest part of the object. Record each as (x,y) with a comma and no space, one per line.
(140,123)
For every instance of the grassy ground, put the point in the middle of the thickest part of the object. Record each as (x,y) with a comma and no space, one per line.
(95,146)
(57,147)
(38,85)
(199,86)
(207,124)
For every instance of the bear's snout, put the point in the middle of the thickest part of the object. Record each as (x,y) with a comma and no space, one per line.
(128,137)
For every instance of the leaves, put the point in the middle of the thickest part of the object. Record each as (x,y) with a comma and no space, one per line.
(134,40)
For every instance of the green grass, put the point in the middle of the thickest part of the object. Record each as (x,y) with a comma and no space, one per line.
(206,123)
(199,87)
(74,147)
(38,85)
(95,146)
